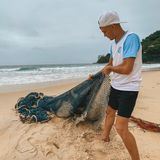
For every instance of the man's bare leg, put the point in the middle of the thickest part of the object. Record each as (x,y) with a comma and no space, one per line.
(109,121)
(127,137)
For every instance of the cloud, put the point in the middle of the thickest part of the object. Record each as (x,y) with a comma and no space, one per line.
(51,31)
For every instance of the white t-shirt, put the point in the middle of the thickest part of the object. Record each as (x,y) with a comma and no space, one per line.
(128,46)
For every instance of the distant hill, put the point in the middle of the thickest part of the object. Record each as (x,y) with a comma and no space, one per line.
(103,58)
(151,50)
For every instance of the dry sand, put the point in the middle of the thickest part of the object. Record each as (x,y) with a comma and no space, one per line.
(60,139)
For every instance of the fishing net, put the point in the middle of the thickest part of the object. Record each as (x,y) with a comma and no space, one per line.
(86,101)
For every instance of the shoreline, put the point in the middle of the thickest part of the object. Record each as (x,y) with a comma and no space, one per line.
(39,85)
(42,85)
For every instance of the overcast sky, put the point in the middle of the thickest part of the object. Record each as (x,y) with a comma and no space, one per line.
(66,31)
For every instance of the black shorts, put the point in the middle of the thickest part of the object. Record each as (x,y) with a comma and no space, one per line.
(122,101)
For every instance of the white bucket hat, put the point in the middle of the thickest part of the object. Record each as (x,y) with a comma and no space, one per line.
(109,18)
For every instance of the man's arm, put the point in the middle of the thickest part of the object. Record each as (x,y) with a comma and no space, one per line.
(125,68)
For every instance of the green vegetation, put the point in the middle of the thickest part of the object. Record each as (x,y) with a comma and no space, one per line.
(103,58)
(151,50)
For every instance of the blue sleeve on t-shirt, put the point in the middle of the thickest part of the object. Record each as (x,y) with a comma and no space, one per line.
(131,46)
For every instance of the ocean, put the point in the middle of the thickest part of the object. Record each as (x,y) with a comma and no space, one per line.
(28,74)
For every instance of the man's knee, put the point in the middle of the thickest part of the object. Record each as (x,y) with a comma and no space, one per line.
(121,128)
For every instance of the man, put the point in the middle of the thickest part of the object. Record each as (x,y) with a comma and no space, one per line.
(125,68)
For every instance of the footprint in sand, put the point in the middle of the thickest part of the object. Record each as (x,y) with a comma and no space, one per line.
(88,136)
(50,149)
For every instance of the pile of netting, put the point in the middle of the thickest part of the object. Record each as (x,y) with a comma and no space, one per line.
(85,100)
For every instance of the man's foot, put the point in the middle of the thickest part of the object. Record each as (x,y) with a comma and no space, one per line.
(104,138)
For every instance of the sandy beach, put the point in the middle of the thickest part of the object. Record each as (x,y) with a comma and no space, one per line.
(60,139)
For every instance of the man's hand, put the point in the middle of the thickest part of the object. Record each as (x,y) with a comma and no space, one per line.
(106,70)
(90,77)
